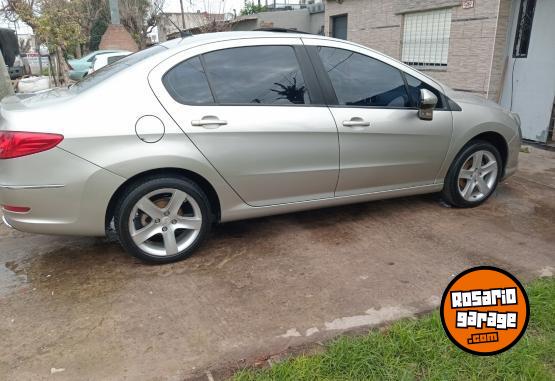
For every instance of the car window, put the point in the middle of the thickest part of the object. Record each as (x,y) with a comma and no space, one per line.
(186,82)
(256,75)
(359,80)
(113,59)
(414,86)
(108,71)
(93,57)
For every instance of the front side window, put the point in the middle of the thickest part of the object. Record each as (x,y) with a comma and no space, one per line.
(426,38)
(359,80)
(186,82)
(268,75)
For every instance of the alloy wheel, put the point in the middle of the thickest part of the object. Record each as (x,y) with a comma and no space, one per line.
(478,176)
(165,222)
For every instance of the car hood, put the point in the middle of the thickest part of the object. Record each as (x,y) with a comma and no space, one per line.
(464,97)
(78,64)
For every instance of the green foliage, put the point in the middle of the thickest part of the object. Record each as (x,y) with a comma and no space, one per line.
(251,8)
(97,31)
(55,22)
(58,25)
(420,350)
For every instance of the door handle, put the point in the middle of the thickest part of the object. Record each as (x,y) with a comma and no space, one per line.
(356,122)
(208,122)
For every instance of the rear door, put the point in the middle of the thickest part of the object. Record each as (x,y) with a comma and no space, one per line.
(254,109)
(383,143)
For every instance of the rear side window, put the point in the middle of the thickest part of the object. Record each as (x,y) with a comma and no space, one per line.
(186,82)
(106,72)
(268,75)
(414,86)
(359,80)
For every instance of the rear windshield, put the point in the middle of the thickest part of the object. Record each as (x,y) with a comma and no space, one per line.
(107,71)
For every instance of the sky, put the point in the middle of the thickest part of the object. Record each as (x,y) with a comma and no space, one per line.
(171,6)
(212,6)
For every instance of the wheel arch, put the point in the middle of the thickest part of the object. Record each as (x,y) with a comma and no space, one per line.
(205,185)
(498,141)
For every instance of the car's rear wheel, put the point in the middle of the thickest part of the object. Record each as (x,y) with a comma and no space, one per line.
(473,176)
(162,219)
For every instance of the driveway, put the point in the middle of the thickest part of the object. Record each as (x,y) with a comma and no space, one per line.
(77,308)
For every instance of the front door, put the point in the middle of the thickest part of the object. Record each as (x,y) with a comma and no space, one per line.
(254,114)
(383,144)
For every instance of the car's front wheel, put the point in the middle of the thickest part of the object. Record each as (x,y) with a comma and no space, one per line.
(162,219)
(473,176)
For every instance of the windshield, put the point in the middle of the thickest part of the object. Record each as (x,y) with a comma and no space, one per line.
(107,71)
(86,58)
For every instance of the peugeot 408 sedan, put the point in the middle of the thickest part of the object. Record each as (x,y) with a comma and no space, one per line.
(220,127)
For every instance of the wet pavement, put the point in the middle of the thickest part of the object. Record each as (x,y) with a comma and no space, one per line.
(80,308)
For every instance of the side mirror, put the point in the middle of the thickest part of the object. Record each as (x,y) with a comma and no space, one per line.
(427,103)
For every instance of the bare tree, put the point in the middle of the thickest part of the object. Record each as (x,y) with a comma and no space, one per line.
(24,45)
(210,16)
(139,17)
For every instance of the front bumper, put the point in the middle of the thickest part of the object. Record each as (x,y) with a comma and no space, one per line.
(512,156)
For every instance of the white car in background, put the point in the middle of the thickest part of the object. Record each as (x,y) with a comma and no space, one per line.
(102,60)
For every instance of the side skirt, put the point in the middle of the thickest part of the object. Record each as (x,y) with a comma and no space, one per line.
(244,211)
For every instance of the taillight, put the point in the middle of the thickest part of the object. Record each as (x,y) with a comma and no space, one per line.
(16,144)
(16,209)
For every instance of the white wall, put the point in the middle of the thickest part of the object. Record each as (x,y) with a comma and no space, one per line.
(532,85)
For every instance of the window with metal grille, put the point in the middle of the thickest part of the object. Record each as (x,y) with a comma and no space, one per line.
(426,38)
(524,28)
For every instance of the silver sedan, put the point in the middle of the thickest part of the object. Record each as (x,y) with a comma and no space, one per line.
(164,143)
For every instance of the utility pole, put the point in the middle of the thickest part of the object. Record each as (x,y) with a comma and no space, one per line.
(116,36)
(114,12)
(182,15)
(6,88)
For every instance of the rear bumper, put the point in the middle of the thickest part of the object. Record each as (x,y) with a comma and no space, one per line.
(67,196)
(6,222)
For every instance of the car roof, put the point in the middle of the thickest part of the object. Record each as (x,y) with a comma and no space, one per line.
(224,36)
(115,53)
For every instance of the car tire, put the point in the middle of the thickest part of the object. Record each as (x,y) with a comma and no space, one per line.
(469,183)
(159,207)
